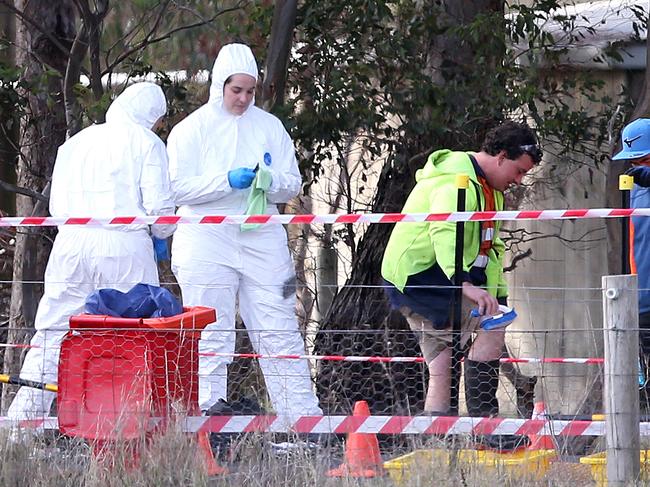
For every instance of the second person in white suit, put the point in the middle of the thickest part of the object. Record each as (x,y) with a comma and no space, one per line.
(215,155)
(114,168)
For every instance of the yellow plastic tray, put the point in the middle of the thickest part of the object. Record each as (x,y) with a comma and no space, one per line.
(531,464)
(598,464)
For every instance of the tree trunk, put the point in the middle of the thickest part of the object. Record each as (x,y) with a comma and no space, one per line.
(394,388)
(7,152)
(275,72)
(42,42)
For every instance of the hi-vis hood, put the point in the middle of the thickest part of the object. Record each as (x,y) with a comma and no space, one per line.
(141,103)
(232,59)
(441,163)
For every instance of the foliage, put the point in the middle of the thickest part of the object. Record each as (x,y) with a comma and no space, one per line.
(364,73)
(14,87)
(381,84)
(11,102)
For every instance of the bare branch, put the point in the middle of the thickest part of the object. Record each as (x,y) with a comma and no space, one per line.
(517,258)
(419,156)
(77,55)
(146,41)
(24,191)
(94,40)
(149,41)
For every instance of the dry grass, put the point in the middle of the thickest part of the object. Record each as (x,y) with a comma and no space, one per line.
(172,459)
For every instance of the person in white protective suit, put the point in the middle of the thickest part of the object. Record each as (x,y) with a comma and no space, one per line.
(118,168)
(215,155)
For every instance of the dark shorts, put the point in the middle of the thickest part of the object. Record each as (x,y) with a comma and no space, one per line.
(428,293)
(435,340)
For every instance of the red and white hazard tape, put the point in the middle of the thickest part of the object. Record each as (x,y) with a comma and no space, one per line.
(347,358)
(361,358)
(328,218)
(390,425)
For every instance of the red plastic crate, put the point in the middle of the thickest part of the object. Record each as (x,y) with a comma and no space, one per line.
(116,373)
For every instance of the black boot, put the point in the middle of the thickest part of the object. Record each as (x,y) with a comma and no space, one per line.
(526,396)
(481,383)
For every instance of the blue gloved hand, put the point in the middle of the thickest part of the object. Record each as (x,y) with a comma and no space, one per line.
(161,249)
(641,175)
(241,177)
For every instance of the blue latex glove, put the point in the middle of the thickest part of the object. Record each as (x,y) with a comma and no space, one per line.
(161,249)
(641,175)
(241,177)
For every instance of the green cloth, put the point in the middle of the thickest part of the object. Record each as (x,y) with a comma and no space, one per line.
(415,247)
(257,197)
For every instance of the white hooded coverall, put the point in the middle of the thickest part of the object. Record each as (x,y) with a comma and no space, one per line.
(118,168)
(215,264)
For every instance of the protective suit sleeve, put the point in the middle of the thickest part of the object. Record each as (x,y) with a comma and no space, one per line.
(154,182)
(286,179)
(163,231)
(189,185)
(155,188)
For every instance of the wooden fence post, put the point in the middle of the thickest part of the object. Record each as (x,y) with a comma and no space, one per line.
(621,391)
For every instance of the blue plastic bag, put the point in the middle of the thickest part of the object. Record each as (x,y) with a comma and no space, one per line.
(141,301)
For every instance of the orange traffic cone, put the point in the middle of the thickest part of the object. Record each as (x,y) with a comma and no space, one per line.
(540,442)
(211,464)
(362,457)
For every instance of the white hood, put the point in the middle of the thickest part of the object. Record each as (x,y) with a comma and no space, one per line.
(116,168)
(210,142)
(141,103)
(232,59)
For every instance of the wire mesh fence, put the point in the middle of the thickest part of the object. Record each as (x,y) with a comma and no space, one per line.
(157,373)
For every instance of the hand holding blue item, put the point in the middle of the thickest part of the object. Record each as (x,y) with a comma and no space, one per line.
(241,177)
(641,175)
(504,318)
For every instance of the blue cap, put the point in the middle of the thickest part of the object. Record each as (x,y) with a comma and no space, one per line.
(635,140)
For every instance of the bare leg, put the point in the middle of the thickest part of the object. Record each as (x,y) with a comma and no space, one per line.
(438,391)
(487,346)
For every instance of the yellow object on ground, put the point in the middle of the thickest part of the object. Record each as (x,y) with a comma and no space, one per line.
(525,464)
(598,464)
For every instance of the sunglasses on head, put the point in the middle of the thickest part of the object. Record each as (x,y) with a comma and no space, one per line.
(533,151)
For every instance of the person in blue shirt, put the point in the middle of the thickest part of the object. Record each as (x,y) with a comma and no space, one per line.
(635,142)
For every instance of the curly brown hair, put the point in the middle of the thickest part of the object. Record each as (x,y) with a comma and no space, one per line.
(514,138)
